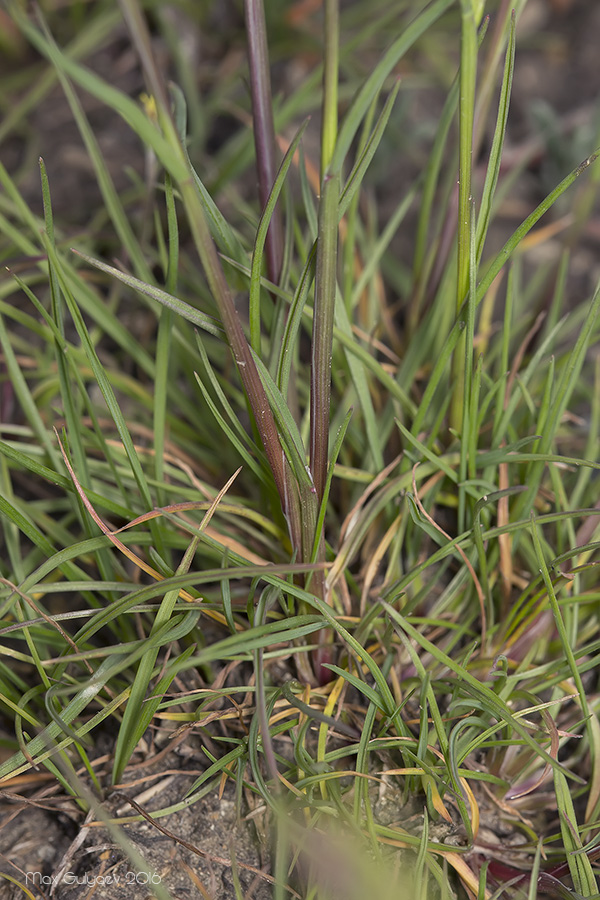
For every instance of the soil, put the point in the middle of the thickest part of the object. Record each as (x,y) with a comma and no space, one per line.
(213,850)
(205,850)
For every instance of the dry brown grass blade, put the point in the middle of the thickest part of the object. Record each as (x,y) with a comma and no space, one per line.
(52,622)
(466,561)
(505,540)
(351,517)
(531,784)
(375,562)
(129,554)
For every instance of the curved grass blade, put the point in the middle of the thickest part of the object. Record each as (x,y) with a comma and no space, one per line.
(513,242)
(474,687)
(381,245)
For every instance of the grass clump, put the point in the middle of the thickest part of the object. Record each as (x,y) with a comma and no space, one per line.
(343,531)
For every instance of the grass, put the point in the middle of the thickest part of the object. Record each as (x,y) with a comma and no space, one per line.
(347,536)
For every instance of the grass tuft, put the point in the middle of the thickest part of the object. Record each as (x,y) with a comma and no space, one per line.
(297,468)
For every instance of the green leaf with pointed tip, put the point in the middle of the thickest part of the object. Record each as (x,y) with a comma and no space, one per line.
(200,319)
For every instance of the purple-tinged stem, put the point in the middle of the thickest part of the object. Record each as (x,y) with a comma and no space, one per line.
(264,129)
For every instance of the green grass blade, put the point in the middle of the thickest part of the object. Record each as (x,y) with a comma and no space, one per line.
(322,335)
(493,169)
(109,397)
(221,231)
(261,238)
(21,389)
(335,450)
(140,709)
(292,327)
(109,193)
(580,867)
(361,385)
(376,80)
(288,430)
(513,242)
(201,320)
(560,399)
(364,159)
(474,687)
(164,360)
